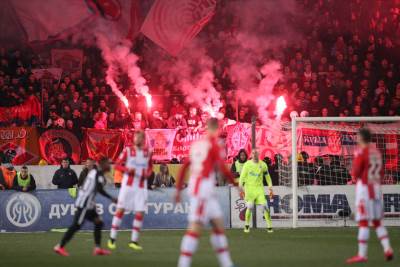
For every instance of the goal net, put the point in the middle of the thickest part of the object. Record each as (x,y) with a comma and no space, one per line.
(318,173)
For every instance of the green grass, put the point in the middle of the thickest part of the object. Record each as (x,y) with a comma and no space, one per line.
(300,247)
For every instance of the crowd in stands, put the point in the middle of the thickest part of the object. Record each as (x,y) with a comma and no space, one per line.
(346,64)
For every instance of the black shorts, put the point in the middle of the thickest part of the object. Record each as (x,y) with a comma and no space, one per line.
(83,214)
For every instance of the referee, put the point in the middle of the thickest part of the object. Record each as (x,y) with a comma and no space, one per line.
(86,208)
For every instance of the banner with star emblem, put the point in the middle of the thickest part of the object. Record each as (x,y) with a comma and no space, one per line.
(19,145)
(103,143)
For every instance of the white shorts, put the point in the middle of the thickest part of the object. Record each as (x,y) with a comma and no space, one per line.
(132,199)
(203,210)
(368,209)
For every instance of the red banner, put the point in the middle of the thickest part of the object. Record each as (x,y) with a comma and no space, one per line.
(19,145)
(103,143)
(56,145)
(69,60)
(173,24)
(25,111)
(182,144)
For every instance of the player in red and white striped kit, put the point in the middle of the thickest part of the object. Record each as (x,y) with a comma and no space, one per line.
(136,164)
(367,173)
(205,160)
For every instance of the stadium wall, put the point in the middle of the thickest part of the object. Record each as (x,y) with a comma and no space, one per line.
(46,210)
(319,206)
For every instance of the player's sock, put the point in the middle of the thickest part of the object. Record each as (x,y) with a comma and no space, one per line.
(116,222)
(137,225)
(69,234)
(382,235)
(97,233)
(188,248)
(247,216)
(267,216)
(363,236)
(220,245)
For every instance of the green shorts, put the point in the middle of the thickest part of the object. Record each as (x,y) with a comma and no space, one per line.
(255,196)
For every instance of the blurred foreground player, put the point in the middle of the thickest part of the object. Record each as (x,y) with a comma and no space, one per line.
(367,173)
(136,164)
(86,208)
(205,160)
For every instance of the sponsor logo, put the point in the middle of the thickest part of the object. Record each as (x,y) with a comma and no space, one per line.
(23,209)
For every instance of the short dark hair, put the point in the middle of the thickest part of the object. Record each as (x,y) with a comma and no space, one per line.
(365,135)
(24,167)
(103,160)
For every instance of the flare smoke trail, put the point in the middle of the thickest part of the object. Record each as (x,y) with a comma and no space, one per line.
(119,59)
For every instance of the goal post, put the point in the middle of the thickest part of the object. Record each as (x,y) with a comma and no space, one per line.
(383,127)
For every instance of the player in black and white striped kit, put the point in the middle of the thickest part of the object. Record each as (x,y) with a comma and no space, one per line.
(86,208)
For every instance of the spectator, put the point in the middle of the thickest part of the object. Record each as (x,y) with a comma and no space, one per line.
(24,181)
(55,121)
(90,164)
(163,178)
(100,120)
(111,121)
(237,165)
(305,170)
(193,121)
(65,177)
(138,122)
(7,176)
(176,108)
(177,122)
(76,101)
(156,121)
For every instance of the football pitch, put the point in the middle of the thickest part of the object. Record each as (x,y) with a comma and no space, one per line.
(314,247)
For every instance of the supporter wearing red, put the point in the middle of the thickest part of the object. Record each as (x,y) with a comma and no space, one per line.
(193,121)
(156,121)
(177,121)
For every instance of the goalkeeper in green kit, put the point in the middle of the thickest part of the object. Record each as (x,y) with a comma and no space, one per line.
(251,179)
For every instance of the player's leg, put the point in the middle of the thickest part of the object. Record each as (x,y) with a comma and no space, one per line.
(115,224)
(136,227)
(75,226)
(383,236)
(381,232)
(363,233)
(139,206)
(190,240)
(247,216)
(98,226)
(262,201)
(189,244)
(218,238)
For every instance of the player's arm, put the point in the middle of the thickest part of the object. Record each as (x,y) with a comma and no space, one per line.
(100,189)
(243,175)
(268,179)
(120,163)
(357,168)
(180,180)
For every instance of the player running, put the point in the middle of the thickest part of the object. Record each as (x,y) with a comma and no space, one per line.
(86,209)
(136,164)
(367,173)
(205,160)
(251,178)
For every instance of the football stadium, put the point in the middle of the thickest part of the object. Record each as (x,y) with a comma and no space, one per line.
(231,133)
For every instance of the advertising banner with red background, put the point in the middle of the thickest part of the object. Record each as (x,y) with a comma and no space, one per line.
(20,145)
(25,111)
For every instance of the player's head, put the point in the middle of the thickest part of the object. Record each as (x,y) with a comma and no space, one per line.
(212,126)
(364,136)
(139,138)
(255,154)
(104,164)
